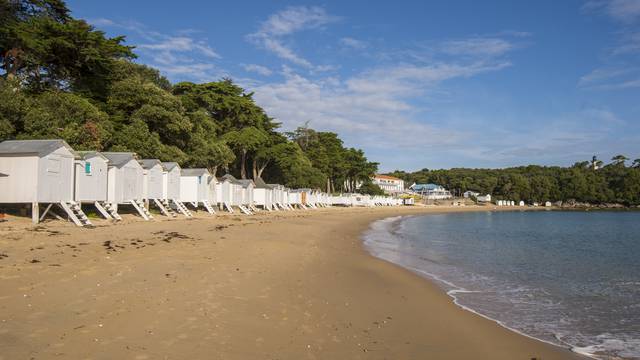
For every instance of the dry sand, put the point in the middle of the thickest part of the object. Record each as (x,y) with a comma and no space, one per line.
(295,285)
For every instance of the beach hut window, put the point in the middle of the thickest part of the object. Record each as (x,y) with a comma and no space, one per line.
(53,165)
(199,179)
(87,168)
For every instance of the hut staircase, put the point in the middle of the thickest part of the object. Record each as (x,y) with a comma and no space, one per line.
(208,206)
(164,207)
(253,208)
(75,213)
(142,210)
(228,207)
(181,208)
(245,210)
(102,211)
(110,209)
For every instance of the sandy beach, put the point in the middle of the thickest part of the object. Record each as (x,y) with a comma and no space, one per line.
(286,285)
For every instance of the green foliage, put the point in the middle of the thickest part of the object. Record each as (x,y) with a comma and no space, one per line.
(612,183)
(45,48)
(343,167)
(64,79)
(60,115)
(371,189)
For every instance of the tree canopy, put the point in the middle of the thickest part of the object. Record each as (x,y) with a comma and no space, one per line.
(611,183)
(61,78)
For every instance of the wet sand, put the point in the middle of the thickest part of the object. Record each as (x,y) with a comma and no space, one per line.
(285,285)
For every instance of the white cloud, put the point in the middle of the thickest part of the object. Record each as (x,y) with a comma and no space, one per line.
(629,44)
(373,108)
(478,47)
(170,44)
(287,22)
(177,57)
(353,43)
(258,69)
(626,11)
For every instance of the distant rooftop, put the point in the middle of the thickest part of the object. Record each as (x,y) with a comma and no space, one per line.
(118,159)
(194,172)
(149,163)
(37,147)
(386,177)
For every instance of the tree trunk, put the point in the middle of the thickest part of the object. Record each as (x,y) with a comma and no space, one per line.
(243,160)
(213,170)
(261,169)
(254,169)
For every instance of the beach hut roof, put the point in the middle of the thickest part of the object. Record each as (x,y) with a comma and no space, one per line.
(230,178)
(260,184)
(170,165)
(245,183)
(33,147)
(86,155)
(149,163)
(194,172)
(119,159)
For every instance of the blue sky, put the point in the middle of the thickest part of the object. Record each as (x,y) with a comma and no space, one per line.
(416,84)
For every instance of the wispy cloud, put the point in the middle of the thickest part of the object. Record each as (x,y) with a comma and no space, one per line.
(353,43)
(625,11)
(478,46)
(179,57)
(277,27)
(258,69)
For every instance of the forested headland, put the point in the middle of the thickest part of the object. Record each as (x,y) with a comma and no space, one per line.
(62,78)
(616,182)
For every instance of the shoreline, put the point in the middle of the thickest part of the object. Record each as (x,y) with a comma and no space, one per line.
(455,288)
(287,285)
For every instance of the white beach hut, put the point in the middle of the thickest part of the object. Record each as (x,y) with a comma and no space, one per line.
(124,184)
(195,188)
(90,182)
(153,186)
(39,172)
(263,195)
(171,187)
(248,187)
(232,194)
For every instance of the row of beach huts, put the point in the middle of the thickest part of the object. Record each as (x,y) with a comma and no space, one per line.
(50,174)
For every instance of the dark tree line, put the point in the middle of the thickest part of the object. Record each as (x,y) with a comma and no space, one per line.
(587,181)
(62,78)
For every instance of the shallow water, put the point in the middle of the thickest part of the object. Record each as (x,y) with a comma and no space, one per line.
(569,278)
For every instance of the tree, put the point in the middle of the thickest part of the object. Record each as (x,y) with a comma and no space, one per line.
(243,141)
(43,46)
(619,160)
(59,115)
(370,189)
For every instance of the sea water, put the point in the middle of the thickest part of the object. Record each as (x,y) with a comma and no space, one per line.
(568,278)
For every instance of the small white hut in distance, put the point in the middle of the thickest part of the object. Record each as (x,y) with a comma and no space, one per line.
(39,172)
(91,178)
(171,187)
(153,186)
(197,186)
(125,182)
(263,195)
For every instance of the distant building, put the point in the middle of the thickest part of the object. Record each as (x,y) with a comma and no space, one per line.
(484,199)
(390,184)
(470,194)
(431,191)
